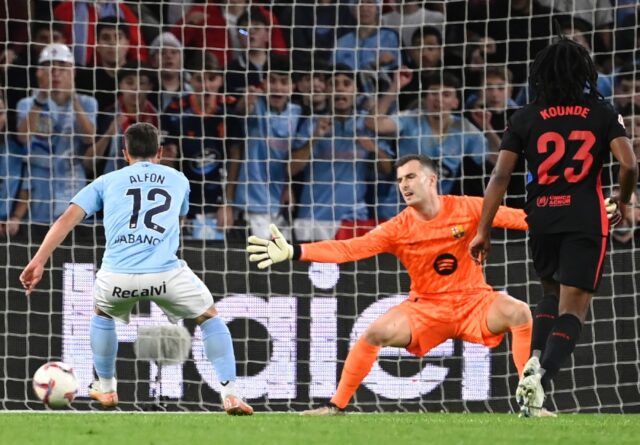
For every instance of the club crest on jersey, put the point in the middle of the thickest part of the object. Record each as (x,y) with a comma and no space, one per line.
(542,201)
(457,231)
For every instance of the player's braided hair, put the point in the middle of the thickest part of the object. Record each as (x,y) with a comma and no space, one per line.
(561,72)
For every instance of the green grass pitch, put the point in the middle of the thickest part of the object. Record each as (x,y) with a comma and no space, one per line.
(388,429)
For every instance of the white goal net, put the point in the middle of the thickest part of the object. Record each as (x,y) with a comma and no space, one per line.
(238,89)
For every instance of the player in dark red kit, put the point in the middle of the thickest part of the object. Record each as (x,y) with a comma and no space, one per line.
(565,135)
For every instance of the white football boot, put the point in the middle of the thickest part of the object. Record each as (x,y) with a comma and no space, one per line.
(327,410)
(531,367)
(530,396)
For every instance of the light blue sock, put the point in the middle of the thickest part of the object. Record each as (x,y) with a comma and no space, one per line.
(219,348)
(104,345)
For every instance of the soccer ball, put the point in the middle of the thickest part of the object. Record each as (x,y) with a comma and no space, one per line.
(55,384)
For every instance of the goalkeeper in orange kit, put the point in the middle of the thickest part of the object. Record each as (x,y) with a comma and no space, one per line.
(449,297)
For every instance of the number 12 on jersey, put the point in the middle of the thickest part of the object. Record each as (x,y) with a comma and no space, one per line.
(155,194)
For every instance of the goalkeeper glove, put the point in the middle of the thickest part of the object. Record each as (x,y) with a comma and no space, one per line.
(613,214)
(269,252)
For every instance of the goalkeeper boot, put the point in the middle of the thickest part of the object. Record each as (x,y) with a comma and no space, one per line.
(530,396)
(531,367)
(235,406)
(108,400)
(327,410)
(544,412)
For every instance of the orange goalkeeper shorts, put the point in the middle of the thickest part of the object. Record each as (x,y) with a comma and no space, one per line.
(461,317)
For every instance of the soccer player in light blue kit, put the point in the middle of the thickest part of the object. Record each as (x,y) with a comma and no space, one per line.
(142,206)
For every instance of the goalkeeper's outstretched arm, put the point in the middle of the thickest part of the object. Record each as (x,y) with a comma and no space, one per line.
(268,252)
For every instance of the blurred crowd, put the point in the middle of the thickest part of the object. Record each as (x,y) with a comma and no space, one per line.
(289,112)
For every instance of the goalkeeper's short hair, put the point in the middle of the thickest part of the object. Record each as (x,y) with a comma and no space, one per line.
(425,161)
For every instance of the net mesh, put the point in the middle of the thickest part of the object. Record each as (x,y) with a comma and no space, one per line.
(238,89)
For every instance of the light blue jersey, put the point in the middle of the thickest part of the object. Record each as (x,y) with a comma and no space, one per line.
(364,54)
(271,137)
(336,177)
(55,160)
(12,175)
(142,206)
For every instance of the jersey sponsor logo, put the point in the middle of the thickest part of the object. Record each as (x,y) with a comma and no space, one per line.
(457,231)
(445,264)
(561,335)
(559,200)
(553,201)
(137,239)
(151,291)
(565,110)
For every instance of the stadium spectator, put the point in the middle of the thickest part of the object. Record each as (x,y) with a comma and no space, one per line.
(310,86)
(437,131)
(566,213)
(101,80)
(274,129)
(424,57)
(626,90)
(520,29)
(248,70)
(80,19)
(449,297)
(15,18)
(337,164)
(135,267)
(581,31)
(598,14)
(493,100)
(21,73)
(217,28)
(135,83)
(373,50)
(166,55)
(56,124)
(316,25)
(14,182)
(408,16)
(481,51)
(627,40)
(489,109)
(193,126)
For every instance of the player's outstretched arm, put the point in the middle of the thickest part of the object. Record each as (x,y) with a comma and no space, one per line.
(268,252)
(500,177)
(32,274)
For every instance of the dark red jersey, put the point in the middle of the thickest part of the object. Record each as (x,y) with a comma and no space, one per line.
(565,147)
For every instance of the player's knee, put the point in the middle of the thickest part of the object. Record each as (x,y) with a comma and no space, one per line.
(209,313)
(519,313)
(377,335)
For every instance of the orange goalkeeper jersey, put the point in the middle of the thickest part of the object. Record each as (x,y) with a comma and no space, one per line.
(435,252)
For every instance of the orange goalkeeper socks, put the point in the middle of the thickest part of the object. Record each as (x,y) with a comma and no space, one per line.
(358,364)
(521,344)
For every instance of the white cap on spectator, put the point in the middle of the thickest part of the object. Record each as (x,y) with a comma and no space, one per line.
(56,52)
(166,39)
